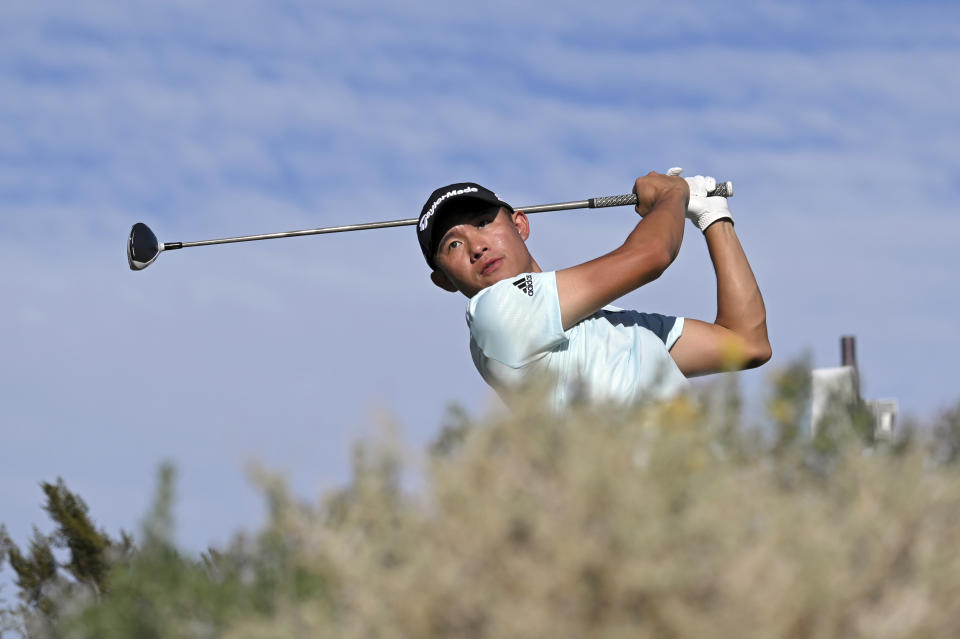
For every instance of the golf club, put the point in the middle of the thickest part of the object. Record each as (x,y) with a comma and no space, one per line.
(143,248)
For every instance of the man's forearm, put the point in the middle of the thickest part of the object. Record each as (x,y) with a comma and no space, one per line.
(662,227)
(740,305)
(648,250)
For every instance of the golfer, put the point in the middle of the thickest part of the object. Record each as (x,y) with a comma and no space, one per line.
(526,323)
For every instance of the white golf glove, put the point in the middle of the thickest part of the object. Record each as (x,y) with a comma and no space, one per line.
(704,211)
(701,209)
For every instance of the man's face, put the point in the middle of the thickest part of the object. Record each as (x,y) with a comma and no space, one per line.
(480,248)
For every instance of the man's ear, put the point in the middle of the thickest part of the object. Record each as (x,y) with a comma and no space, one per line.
(440,279)
(521,223)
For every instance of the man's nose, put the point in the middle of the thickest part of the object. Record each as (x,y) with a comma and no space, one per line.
(478,249)
(477,246)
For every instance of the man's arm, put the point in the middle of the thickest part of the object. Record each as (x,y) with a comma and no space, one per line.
(738,337)
(649,249)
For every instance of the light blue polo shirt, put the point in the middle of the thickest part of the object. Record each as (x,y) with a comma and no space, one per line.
(612,356)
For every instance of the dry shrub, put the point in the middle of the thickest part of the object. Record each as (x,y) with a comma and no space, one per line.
(668,521)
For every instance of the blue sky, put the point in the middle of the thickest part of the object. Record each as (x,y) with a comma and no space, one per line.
(836,121)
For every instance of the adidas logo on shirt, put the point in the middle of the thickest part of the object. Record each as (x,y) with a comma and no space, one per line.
(525,284)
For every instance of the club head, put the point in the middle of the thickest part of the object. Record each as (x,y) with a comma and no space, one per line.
(143,247)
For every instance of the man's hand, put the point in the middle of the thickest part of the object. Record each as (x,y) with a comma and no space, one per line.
(701,209)
(654,186)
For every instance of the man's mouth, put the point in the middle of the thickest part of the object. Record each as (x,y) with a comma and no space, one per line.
(491,266)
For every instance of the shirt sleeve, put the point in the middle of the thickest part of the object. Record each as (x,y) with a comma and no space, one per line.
(517,320)
(666,327)
(674,333)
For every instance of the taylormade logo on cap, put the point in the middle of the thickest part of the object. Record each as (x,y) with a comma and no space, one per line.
(433,208)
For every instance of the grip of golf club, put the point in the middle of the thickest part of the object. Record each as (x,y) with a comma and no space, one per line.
(723,189)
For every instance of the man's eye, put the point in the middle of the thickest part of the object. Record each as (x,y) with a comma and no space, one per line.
(454,244)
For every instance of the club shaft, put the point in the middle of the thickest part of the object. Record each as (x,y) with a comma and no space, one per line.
(274,236)
(355,227)
(592,203)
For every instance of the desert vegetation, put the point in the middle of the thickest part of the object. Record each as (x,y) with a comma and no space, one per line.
(668,521)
